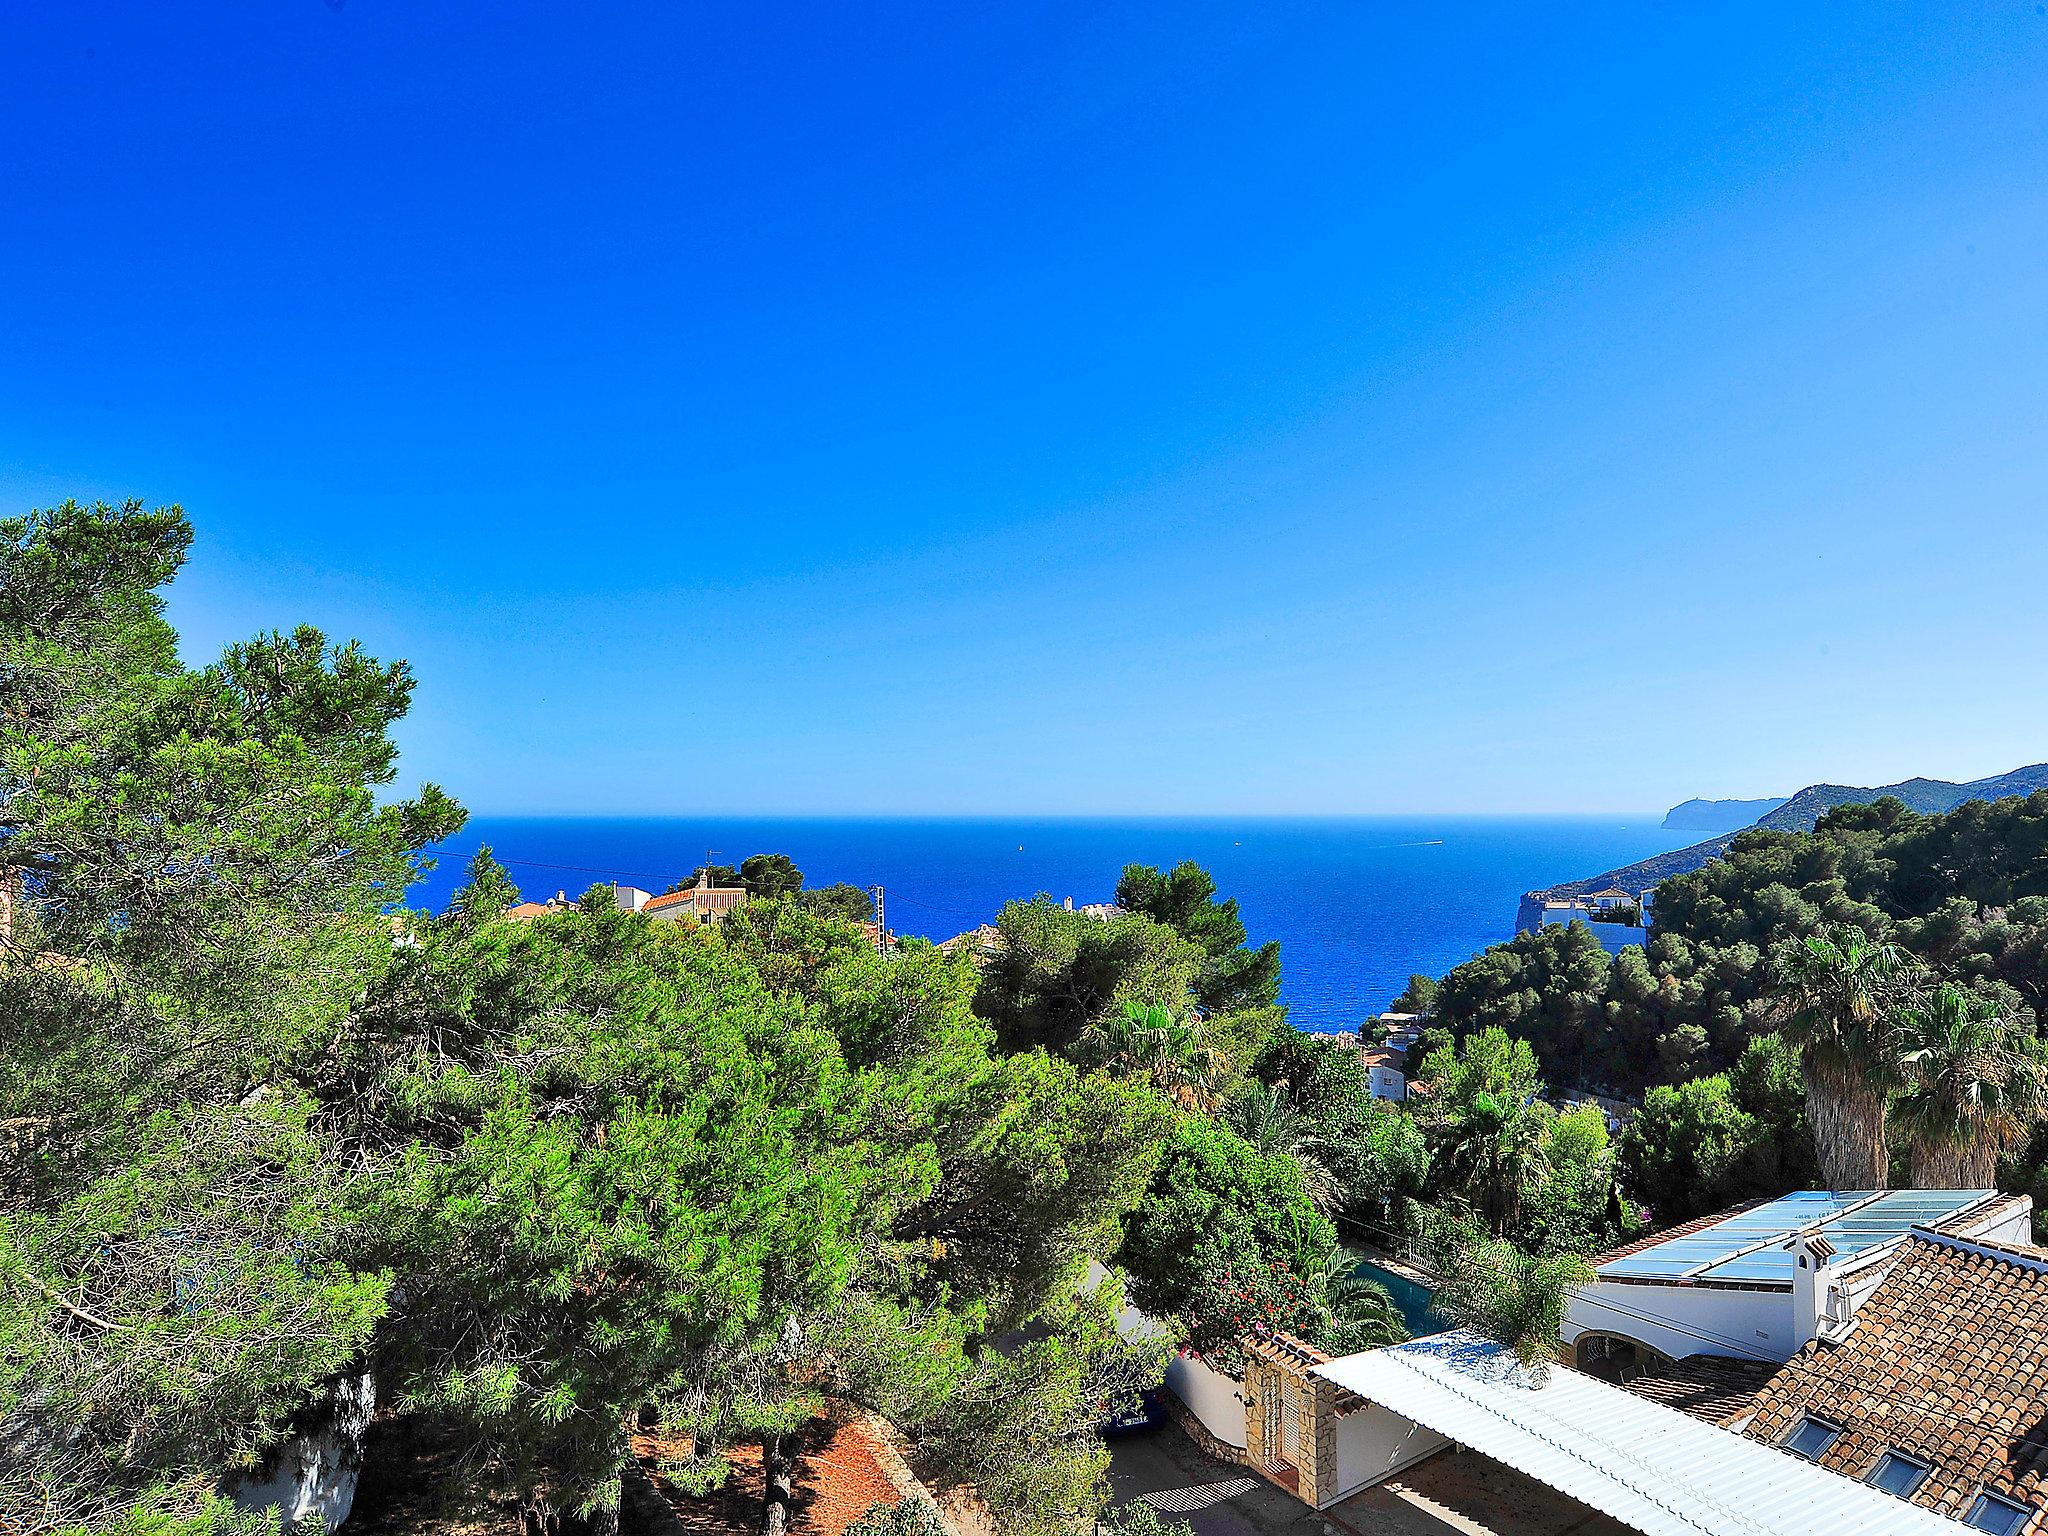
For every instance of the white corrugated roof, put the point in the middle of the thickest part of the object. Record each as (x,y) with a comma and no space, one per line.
(1650,1467)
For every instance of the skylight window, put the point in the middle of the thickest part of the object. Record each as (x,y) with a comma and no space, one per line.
(2001,1517)
(1810,1437)
(1897,1475)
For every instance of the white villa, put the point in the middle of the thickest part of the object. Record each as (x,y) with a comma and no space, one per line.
(1830,1363)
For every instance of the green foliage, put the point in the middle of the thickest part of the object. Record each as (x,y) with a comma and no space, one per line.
(1183,898)
(1055,973)
(1216,1204)
(1542,1178)
(914,1516)
(1691,1149)
(1545,987)
(1702,1145)
(202,864)
(770,875)
(1362,1314)
(1381,1163)
(1514,1298)
(842,902)
(1490,1064)
(1138,1518)
(1419,997)
(487,891)
(535,1176)
(1170,1053)
(1976,1081)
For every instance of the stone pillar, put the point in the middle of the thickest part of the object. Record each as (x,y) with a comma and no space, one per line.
(1260,1381)
(1318,1455)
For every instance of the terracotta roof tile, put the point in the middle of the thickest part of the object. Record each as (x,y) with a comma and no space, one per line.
(1948,1362)
(1711,1387)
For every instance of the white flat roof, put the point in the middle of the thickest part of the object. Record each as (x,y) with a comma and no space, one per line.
(1653,1468)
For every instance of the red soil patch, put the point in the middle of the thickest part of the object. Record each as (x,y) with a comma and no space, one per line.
(841,1472)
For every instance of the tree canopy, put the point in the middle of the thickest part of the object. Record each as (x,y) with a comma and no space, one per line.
(529,1178)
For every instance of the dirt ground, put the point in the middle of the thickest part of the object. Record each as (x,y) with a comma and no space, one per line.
(409,1482)
(841,1473)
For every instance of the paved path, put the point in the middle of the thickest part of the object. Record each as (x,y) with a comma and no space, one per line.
(1449,1495)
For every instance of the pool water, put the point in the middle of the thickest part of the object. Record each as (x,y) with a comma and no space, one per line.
(1411,1299)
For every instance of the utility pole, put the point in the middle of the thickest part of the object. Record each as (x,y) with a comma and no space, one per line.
(881,922)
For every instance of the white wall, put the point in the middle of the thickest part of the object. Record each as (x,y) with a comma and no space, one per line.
(1388,1083)
(1373,1444)
(1214,1398)
(1752,1323)
(315,1473)
(2016,1227)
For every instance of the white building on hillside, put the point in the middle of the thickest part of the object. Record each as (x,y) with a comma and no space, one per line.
(1752,1284)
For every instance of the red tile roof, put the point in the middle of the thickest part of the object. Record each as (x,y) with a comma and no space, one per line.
(1947,1362)
(726,896)
(1711,1387)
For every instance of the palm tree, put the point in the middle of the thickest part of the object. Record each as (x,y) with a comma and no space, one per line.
(1267,1118)
(1148,1041)
(1976,1081)
(1364,1315)
(1514,1298)
(1493,1150)
(1842,986)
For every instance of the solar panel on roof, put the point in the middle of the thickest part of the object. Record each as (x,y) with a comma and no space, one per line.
(1853,1220)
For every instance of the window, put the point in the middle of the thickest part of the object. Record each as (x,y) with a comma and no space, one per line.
(1810,1437)
(2001,1517)
(1897,1475)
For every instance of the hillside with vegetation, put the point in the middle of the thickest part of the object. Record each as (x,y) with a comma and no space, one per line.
(1718,815)
(1801,813)
(1878,981)
(280,1152)
(277,1148)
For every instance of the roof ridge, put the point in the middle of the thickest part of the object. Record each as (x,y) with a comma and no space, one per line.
(2022,1257)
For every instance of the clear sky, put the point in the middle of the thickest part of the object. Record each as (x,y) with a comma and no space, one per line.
(1173,407)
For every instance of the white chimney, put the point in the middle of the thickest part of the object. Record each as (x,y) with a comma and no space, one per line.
(1070,903)
(1812,1279)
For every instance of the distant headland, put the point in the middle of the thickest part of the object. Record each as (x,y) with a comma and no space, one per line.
(1797,814)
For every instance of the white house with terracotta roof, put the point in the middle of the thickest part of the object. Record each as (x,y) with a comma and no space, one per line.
(1751,1283)
(1914,1403)
(1939,1394)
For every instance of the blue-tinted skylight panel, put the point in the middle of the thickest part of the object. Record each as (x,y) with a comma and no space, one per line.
(1764,1265)
(1712,1251)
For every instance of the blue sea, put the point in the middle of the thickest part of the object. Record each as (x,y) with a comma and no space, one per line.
(1357,903)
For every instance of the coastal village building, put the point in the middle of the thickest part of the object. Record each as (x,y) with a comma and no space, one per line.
(1939,1393)
(1600,912)
(1386,1064)
(629,897)
(1825,1364)
(702,903)
(1752,1283)
(559,902)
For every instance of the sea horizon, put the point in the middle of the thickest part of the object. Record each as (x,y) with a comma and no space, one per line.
(1358,901)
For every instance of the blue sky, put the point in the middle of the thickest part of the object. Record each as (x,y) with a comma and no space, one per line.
(1105,408)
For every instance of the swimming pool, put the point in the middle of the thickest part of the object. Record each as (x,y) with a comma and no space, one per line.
(1411,1298)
